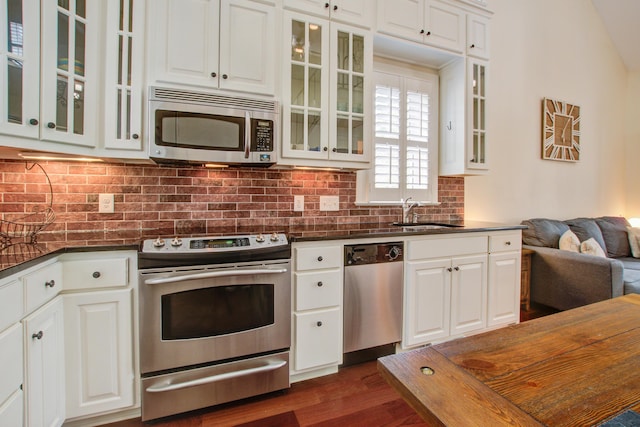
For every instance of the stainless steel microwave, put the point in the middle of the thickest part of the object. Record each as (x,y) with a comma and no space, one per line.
(200,127)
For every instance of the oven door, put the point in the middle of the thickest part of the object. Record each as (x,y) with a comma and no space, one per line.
(203,315)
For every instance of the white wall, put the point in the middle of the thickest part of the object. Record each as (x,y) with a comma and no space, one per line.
(557,49)
(633,146)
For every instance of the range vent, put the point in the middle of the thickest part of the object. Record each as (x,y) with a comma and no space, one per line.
(167,94)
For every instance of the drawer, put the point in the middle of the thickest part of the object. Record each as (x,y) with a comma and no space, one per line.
(446,247)
(42,285)
(96,273)
(317,290)
(505,242)
(313,258)
(318,338)
(11,361)
(11,304)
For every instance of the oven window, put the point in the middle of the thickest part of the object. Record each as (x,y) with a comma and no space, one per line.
(203,131)
(209,312)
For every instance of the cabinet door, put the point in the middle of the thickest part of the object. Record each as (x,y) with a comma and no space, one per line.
(123,78)
(401,18)
(444,26)
(69,71)
(12,411)
(353,12)
(318,338)
(349,95)
(427,301)
(504,288)
(312,7)
(45,389)
(20,68)
(478,36)
(247,47)
(477,157)
(99,351)
(305,98)
(184,37)
(468,294)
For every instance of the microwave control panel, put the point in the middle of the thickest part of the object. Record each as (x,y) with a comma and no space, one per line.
(261,135)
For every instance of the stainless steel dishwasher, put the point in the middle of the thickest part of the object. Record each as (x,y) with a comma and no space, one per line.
(372,295)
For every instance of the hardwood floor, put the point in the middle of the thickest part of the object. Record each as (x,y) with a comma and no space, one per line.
(355,396)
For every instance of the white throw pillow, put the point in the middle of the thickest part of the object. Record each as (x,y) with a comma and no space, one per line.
(634,241)
(569,241)
(591,247)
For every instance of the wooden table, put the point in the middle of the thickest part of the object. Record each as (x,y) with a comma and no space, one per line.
(575,368)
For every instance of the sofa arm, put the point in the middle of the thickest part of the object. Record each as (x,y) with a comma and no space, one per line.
(565,280)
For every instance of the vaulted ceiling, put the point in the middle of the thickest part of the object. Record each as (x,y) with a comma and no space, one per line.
(622,20)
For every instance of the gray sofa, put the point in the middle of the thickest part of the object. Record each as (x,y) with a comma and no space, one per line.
(563,279)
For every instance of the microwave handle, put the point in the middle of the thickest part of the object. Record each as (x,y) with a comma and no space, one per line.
(247,134)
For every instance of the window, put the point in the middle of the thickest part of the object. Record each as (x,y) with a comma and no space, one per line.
(405,145)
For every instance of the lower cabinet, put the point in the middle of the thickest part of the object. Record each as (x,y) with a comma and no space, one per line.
(11,361)
(504,278)
(98,351)
(44,370)
(316,335)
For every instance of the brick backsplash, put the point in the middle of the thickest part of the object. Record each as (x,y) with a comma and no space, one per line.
(155,200)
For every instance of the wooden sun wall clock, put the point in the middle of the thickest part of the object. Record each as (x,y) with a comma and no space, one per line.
(560,131)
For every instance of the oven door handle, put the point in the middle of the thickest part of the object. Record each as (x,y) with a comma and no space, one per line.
(270,366)
(213,274)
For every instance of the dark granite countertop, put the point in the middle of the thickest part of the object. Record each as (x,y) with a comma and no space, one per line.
(296,233)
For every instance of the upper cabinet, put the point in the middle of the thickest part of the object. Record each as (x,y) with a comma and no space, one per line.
(353,12)
(478,36)
(227,44)
(325,96)
(431,22)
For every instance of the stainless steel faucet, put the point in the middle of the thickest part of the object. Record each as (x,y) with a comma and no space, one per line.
(406,209)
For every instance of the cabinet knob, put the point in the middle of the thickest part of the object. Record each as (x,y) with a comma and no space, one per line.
(472,46)
(224,76)
(319,323)
(456,268)
(51,125)
(135,136)
(320,258)
(37,336)
(214,74)
(49,283)
(428,33)
(508,243)
(326,5)
(449,269)
(335,7)
(320,284)
(325,149)
(96,275)
(33,122)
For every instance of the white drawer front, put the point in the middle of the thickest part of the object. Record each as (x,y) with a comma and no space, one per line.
(318,338)
(42,285)
(314,258)
(317,290)
(505,242)
(96,273)
(11,304)
(445,247)
(11,361)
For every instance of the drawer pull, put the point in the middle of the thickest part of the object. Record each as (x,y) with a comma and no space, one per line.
(320,258)
(319,323)
(49,283)
(320,284)
(508,243)
(96,275)
(37,336)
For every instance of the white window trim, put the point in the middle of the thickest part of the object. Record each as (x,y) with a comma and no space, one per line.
(365,180)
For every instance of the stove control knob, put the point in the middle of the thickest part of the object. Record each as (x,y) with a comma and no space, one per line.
(176,242)
(275,237)
(260,238)
(158,243)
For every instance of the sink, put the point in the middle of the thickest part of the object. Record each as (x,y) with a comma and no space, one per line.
(426,225)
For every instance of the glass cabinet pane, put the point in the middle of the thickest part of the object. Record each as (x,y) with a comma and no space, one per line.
(342,101)
(314,131)
(358,94)
(297,84)
(342,51)
(297,130)
(315,44)
(315,87)
(342,134)
(357,136)
(15,52)
(298,41)
(478,118)
(358,54)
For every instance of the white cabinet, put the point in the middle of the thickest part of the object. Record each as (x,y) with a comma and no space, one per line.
(446,288)
(317,308)
(478,36)
(44,370)
(99,351)
(504,278)
(42,285)
(326,100)
(225,44)
(431,22)
(11,361)
(353,12)
(463,118)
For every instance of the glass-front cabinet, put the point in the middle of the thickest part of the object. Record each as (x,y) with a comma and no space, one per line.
(325,100)
(477,114)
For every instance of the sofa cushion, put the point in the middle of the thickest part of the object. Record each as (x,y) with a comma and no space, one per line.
(634,241)
(569,242)
(631,281)
(585,229)
(543,232)
(630,263)
(591,247)
(614,233)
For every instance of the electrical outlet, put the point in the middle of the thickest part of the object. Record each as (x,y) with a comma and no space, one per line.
(329,203)
(105,203)
(298,203)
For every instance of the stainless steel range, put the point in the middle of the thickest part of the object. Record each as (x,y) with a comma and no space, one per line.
(215,316)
